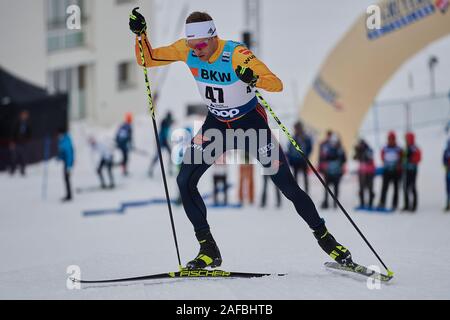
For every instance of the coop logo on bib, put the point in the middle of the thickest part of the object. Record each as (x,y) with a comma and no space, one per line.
(231,113)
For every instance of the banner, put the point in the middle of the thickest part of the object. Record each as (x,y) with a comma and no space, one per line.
(365,59)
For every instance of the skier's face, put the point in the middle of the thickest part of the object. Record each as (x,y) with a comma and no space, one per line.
(203,48)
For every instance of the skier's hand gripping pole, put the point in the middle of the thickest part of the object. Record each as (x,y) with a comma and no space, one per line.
(297,147)
(140,28)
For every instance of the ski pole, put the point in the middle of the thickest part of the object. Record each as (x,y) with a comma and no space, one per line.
(297,147)
(152,113)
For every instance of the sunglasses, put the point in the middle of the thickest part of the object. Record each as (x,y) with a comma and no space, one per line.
(198,46)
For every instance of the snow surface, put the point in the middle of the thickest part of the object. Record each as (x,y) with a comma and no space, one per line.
(40,238)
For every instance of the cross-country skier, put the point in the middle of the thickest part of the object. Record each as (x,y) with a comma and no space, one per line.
(226,73)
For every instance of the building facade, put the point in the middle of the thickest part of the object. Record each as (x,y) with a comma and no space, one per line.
(80,47)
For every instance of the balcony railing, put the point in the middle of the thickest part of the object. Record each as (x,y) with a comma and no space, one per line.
(64,39)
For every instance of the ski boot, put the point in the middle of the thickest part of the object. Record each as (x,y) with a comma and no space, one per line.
(209,254)
(336,251)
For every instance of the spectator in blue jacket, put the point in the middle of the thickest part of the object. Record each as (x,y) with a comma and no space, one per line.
(66,155)
(124,141)
(296,160)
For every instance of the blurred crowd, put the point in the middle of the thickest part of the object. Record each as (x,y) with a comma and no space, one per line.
(398,170)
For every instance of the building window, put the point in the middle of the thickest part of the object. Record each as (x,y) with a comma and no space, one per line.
(73,82)
(58,35)
(126,75)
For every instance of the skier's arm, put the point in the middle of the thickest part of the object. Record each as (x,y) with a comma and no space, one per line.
(177,51)
(266,79)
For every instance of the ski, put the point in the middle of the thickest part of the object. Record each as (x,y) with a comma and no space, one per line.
(186,274)
(359,269)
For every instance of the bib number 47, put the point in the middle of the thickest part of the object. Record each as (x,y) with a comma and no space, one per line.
(214,94)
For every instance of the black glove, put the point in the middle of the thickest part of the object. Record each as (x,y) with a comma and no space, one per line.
(246,75)
(137,22)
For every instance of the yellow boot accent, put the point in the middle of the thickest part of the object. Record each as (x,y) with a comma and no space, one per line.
(205,258)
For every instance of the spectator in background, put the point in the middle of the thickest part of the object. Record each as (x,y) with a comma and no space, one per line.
(411,161)
(220,180)
(391,155)
(366,173)
(446,162)
(164,137)
(334,158)
(323,150)
(295,158)
(21,135)
(124,141)
(264,193)
(106,161)
(66,155)
(246,184)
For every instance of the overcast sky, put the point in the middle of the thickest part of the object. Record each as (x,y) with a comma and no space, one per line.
(297,35)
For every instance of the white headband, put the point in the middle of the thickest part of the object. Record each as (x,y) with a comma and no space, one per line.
(200,30)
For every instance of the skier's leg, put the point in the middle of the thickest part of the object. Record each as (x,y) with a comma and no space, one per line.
(305,207)
(193,167)
(275,162)
(193,203)
(188,177)
(296,169)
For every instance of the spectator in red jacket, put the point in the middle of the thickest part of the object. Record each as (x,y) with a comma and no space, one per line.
(391,155)
(411,161)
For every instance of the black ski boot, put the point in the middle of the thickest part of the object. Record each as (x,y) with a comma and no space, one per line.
(209,255)
(336,251)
